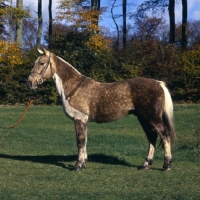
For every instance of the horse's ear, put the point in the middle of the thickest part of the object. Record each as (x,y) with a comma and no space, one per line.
(40,51)
(43,51)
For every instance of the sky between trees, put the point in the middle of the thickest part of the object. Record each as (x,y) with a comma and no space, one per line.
(193,10)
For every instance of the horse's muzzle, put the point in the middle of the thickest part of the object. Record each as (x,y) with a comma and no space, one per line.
(32,83)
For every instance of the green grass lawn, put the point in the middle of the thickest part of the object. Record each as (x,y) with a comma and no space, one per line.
(36,158)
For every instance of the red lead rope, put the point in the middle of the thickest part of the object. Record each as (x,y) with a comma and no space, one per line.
(21,118)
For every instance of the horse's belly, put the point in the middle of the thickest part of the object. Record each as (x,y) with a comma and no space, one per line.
(109,113)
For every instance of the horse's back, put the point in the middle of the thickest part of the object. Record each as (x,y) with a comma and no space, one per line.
(105,102)
(141,96)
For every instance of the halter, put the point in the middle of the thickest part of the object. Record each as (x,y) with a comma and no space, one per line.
(40,80)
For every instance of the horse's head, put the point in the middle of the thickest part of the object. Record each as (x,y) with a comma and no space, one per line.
(42,69)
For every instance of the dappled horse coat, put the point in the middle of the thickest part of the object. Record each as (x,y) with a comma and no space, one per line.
(85,99)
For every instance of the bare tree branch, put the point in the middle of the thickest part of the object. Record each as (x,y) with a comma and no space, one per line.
(117,27)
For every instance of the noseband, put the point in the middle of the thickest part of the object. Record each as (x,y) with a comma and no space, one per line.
(41,73)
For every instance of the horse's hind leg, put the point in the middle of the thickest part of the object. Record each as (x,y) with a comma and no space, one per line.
(81,136)
(162,130)
(152,138)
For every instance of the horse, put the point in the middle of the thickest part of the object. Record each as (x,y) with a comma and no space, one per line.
(86,100)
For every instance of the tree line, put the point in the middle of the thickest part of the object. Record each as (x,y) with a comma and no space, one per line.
(146,46)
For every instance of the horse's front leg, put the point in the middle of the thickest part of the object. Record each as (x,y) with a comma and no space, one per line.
(81,136)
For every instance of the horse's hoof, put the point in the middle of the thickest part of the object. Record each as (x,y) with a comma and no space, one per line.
(76,168)
(166,169)
(143,168)
(167,164)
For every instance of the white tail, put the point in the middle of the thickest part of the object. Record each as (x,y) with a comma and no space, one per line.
(168,111)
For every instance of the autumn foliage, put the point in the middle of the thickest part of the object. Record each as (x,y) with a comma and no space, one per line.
(187,83)
(86,21)
(10,55)
(81,42)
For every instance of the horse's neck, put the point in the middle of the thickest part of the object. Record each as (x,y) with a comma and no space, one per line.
(69,76)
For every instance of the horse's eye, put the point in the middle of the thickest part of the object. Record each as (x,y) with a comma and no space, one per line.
(42,63)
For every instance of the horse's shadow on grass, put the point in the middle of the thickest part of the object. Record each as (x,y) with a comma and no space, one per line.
(59,160)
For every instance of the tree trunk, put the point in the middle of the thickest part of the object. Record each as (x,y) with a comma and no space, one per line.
(117,27)
(39,33)
(172,21)
(95,5)
(18,38)
(124,4)
(184,24)
(2,27)
(50,22)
